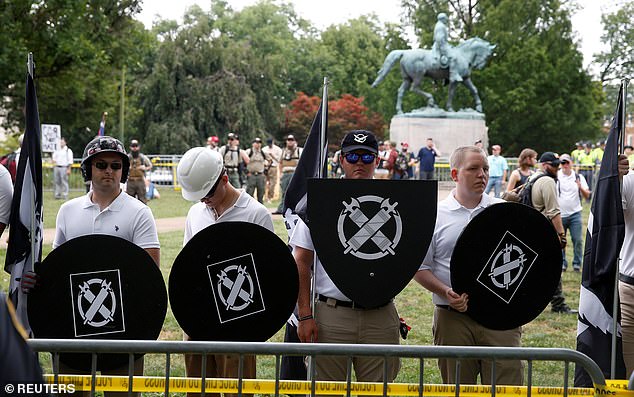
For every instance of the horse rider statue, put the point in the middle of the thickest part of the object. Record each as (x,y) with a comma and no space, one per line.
(442,50)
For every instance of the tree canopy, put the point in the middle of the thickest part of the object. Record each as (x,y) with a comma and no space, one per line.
(246,71)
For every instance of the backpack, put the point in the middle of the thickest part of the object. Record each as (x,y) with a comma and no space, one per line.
(523,193)
(401,162)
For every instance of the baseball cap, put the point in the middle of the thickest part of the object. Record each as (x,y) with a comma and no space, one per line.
(214,138)
(290,137)
(257,140)
(134,142)
(549,157)
(405,144)
(359,139)
(565,157)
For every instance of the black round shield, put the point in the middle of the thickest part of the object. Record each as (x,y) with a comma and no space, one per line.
(371,235)
(98,287)
(233,281)
(508,260)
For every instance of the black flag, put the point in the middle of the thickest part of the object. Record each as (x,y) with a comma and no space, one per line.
(25,223)
(606,230)
(295,207)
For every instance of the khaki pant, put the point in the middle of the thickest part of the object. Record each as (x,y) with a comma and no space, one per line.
(219,366)
(626,297)
(452,328)
(136,188)
(121,371)
(338,324)
(271,183)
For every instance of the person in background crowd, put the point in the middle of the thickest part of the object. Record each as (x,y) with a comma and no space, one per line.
(577,153)
(258,163)
(139,165)
(571,186)
(275,152)
(405,162)
(212,143)
(384,155)
(391,159)
(497,171)
(544,197)
(519,176)
(427,158)
(233,156)
(290,158)
(63,161)
(451,326)
(628,151)
(597,152)
(6,197)
(587,163)
(151,191)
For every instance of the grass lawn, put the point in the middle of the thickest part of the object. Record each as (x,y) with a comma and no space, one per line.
(414,304)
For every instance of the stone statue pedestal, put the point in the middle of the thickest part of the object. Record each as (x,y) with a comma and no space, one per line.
(449,130)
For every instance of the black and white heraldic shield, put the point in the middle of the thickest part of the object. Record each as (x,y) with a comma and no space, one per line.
(98,287)
(508,260)
(233,281)
(371,235)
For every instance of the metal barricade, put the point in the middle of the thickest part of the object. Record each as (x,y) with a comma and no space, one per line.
(277,350)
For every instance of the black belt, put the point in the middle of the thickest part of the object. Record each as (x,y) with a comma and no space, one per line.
(626,279)
(62,166)
(256,173)
(336,302)
(449,308)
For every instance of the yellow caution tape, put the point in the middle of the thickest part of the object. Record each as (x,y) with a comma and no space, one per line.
(266,386)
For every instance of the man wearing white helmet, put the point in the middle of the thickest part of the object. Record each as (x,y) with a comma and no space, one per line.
(203,179)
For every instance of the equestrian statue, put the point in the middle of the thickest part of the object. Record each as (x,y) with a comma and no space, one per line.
(442,62)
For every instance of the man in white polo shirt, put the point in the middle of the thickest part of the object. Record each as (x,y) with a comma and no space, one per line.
(63,160)
(452,327)
(108,210)
(203,178)
(337,319)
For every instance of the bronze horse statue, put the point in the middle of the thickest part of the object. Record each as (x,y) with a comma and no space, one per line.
(418,63)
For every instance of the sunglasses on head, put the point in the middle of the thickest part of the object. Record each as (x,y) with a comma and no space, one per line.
(366,158)
(102,165)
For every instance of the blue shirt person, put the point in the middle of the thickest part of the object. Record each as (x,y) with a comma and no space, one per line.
(427,157)
(498,169)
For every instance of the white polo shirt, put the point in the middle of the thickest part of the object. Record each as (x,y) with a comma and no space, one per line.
(568,192)
(451,219)
(323,283)
(126,217)
(6,195)
(246,209)
(627,250)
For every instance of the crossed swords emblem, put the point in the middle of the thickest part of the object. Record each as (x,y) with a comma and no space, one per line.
(97,302)
(235,287)
(369,228)
(508,266)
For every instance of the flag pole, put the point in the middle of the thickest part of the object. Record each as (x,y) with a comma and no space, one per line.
(615,299)
(31,71)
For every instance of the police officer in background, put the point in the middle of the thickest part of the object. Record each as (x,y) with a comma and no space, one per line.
(258,162)
(233,156)
(290,158)
(139,164)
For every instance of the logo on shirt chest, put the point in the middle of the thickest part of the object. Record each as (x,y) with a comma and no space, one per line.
(366,231)
(507,267)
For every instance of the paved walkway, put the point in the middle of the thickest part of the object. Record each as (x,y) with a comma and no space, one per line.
(175,224)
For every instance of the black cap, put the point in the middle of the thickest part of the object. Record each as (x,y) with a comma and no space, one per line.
(359,139)
(549,157)
(257,140)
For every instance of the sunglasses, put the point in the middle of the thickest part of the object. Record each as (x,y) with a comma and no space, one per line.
(212,191)
(102,165)
(366,158)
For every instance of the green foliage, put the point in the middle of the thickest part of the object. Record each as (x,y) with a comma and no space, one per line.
(79,49)
(535,92)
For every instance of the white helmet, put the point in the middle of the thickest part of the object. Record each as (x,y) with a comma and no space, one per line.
(197,172)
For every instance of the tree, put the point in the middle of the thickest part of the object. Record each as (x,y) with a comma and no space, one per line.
(618,35)
(344,114)
(79,48)
(535,92)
